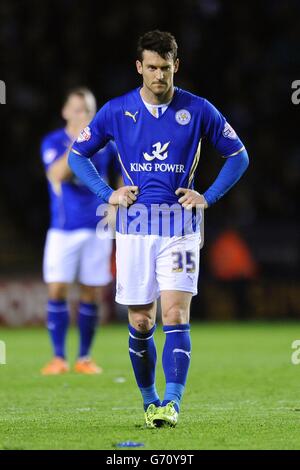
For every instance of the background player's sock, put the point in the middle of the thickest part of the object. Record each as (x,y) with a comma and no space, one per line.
(176,361)
(87,323)
(58,321)
(142,353)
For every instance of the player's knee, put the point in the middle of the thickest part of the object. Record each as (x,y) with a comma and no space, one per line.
(142,317)
(175,315)
(89,294)
(141,321)
(57,291)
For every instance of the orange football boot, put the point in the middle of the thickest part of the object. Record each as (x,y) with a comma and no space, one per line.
(56,366)
(87,366)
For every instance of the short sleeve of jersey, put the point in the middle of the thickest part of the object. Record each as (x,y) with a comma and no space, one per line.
(219,131)
(95,136)
(50,152)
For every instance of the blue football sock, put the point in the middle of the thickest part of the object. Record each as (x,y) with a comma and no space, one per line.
(176,361)
(87,323)
(58,322)
(142,353)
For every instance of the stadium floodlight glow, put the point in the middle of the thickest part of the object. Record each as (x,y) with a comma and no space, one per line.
(2,92)
(2,353)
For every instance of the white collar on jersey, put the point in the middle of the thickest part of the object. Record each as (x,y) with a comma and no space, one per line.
(154,108)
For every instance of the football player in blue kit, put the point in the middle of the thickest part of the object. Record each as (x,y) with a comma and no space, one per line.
(73,251)
(158,129)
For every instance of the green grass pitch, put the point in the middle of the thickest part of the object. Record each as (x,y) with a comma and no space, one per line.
(242,393)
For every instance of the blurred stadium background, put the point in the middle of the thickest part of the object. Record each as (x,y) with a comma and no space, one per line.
(243,56)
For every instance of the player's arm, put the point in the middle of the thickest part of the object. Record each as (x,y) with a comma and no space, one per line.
(59,170)
(90,141)
(225,140)
(232,170)
(55,162)
(228,144)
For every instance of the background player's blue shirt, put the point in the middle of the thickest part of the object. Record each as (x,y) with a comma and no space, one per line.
(161,154)
(72,205)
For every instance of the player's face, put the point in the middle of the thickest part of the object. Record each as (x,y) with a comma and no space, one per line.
(76,112)
(157,72)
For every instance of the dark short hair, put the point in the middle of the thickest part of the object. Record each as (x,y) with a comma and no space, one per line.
(161,42)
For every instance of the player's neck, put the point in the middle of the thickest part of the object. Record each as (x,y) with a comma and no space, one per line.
(72,131)
(151,98)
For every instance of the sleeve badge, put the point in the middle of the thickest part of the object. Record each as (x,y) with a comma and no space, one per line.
(84,135)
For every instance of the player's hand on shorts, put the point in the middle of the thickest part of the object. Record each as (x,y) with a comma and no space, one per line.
(190,198)
(124,196)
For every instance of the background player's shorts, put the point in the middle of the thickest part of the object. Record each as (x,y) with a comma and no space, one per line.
(149,264)
(77,255)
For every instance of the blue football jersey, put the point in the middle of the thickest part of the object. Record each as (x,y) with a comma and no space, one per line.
(161,154)
(72,205)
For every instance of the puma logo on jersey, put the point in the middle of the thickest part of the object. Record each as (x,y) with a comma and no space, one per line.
(127,113)
(160,152)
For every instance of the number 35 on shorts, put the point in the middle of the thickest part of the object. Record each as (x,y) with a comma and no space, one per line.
(183,260)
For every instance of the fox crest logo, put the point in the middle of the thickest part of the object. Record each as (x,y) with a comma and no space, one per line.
(159,152)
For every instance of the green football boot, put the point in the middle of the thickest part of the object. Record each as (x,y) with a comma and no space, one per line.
(165,416)
(149,415)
